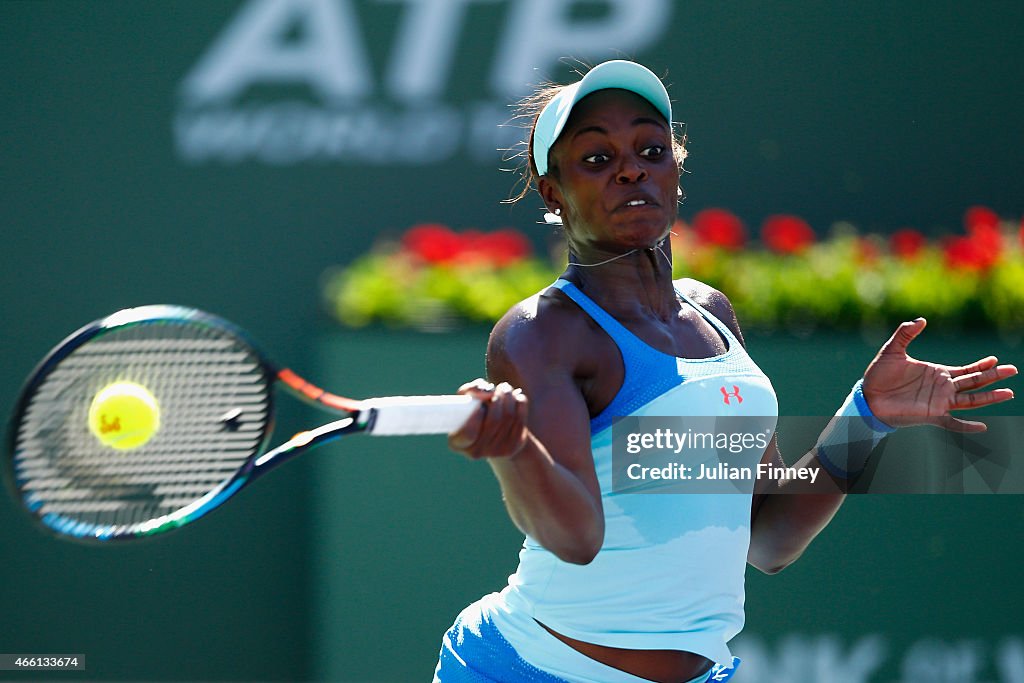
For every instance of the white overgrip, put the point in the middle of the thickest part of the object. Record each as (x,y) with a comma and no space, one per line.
(397,415)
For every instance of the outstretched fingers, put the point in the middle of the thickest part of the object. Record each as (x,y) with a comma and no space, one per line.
(979,399)
(955,424)
(977,366)
(976,376)
(981,374)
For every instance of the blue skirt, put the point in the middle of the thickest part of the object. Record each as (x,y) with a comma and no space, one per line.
(474,651)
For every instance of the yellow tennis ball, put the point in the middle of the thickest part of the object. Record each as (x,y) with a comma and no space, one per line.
(124,415)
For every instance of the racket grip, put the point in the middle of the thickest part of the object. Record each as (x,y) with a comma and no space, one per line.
(396,415)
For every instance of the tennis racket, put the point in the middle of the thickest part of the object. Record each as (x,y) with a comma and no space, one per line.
(208,394)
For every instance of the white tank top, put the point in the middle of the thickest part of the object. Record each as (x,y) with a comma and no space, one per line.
(670,572)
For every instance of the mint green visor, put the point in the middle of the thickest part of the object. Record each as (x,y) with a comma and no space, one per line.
(618,74)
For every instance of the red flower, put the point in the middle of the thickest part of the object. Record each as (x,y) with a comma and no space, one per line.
(720,228)
(439,244)
(907,243)
(984,236)
(432,242)
(787,234)
(964,253)
(980,216)
(501,247)
(988,238)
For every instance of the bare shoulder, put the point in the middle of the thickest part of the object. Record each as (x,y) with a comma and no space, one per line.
(538,335)
(713,300)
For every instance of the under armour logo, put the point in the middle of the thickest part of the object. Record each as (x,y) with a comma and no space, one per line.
(721,672)
(735,393)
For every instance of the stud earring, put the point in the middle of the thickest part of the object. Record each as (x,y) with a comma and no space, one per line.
(553,218)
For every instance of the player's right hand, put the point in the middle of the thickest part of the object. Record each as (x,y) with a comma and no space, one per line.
(497,429)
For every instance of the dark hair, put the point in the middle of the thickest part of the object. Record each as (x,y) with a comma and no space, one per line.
(525,114)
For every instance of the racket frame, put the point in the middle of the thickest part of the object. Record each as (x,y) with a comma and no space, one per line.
(259,462)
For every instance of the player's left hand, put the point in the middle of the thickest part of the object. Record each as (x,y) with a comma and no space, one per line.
(902,390)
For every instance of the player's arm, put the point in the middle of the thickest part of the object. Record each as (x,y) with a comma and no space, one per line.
(536,436)
(782,525)
(896,390)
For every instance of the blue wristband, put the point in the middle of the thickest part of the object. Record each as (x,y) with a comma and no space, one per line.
(864,410)
(846,444)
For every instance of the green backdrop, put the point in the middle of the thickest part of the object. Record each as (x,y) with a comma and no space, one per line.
(221,154)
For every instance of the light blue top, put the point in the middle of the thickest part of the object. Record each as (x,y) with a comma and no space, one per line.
(671,570)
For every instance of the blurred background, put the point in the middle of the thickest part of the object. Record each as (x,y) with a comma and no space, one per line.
(226,154)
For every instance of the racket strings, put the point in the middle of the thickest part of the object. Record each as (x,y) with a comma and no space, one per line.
(198,375)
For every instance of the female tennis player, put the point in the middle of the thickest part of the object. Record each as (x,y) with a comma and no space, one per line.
(614,585)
